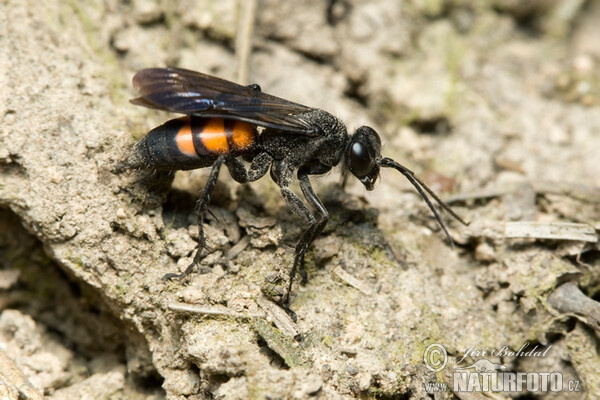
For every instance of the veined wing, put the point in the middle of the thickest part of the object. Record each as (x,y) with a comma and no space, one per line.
(189,92)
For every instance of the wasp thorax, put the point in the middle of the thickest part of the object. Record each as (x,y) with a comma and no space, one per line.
(363,155)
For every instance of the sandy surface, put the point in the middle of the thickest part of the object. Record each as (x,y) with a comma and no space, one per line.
(496,105)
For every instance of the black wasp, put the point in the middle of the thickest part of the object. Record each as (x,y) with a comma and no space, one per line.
(225,122)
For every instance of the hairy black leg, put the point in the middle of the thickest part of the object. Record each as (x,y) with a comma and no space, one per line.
(202,207)
(344,178)
(282,175)
(258,168)
(316,228)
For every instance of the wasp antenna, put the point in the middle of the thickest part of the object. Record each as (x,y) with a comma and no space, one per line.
(420,185)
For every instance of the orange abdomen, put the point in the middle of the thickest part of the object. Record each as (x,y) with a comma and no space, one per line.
(213,136)
(194,142)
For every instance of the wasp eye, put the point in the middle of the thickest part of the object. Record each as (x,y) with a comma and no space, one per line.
(360,161)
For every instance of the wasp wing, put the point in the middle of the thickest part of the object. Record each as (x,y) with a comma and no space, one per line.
(189,92)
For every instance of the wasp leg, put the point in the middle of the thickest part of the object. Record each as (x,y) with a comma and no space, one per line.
(316,225)
(316,229)
(282,175)
(258,168)
(202,207)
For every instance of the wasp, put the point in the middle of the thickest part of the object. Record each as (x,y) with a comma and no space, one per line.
(252,133)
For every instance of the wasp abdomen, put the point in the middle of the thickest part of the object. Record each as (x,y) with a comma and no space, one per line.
(194,142)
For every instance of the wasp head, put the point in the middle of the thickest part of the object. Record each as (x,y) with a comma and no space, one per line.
(363,156)
(363,159)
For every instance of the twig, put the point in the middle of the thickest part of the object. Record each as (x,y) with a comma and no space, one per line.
(352,281)
(550,230)
(213,311)
(278,316)
(568,298)
(243,43)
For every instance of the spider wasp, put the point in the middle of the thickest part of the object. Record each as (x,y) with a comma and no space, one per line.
(225,121)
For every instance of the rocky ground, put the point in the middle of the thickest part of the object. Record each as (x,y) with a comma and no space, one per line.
(494,103)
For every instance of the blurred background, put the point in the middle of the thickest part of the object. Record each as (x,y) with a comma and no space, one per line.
(494,103)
